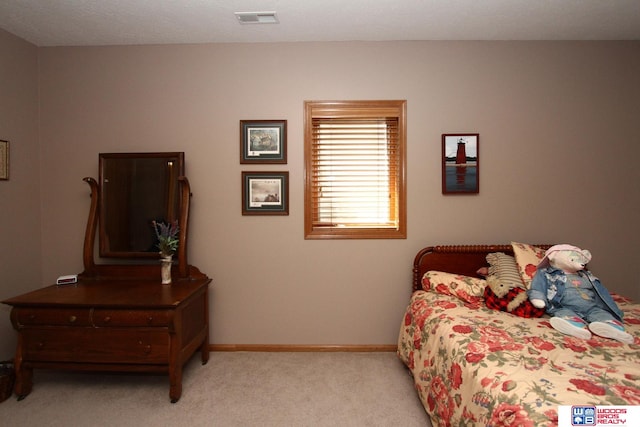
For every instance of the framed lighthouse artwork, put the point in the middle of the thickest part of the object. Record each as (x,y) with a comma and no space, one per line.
(460,163)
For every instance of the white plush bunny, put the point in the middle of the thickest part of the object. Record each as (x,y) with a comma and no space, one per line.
(578,303)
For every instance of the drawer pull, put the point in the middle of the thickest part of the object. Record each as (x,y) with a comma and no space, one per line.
(32,317)
(150,320)
(107,319)
(147,349)
(72,319)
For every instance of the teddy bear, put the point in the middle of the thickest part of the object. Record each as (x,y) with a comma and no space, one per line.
(500,296)
(574,298)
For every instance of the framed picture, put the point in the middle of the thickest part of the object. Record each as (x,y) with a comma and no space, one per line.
(460,163)
(263,141)
(265,193)
(4,160)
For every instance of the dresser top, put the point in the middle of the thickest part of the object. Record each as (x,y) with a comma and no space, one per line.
(112,293)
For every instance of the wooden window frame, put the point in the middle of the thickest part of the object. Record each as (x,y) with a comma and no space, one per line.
(358,110)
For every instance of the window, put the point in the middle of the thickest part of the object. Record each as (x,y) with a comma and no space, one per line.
(355,170)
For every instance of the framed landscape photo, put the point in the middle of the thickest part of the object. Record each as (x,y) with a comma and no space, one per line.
(4,160)
(460,163)
(265,193)
(263,141)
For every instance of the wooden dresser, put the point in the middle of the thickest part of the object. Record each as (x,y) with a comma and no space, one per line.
(105,325)
(117,317)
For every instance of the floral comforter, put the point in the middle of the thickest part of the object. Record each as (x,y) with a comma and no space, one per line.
(473,366)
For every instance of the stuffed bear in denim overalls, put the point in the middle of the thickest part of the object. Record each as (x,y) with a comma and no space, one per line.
(578,303)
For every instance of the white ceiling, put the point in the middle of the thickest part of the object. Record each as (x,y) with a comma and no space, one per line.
(123,22)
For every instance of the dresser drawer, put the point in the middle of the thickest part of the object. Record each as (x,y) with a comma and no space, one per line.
(53,316)
(103,318)
(90,345)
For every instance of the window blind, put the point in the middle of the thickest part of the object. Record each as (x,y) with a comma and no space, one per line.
(355,164)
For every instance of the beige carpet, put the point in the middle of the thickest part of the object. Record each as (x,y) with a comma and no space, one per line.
(233,389)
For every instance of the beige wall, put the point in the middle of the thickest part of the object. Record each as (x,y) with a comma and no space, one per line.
(20,254)
(558,144)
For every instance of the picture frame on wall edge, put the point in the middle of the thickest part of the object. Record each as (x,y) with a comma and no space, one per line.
(4,160)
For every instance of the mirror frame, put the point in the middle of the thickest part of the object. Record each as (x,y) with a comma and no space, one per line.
(105,251)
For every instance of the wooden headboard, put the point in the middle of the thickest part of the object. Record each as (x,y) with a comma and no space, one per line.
(458,259)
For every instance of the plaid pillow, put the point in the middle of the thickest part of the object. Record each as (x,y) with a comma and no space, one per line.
(525,309)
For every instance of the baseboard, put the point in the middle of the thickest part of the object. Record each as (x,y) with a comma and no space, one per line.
(302,348)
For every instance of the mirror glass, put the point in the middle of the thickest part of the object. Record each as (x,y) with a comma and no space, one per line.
(135,190)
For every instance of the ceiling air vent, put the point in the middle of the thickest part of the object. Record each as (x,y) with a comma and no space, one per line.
(257,17)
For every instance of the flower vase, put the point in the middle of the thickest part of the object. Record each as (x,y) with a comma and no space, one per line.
(165,269)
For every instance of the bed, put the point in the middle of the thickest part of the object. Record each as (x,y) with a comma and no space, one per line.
(474,366)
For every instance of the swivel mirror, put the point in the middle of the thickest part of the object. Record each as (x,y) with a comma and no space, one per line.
(136,189)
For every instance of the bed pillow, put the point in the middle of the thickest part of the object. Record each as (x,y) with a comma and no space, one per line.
(469,289)
(527,258)
(504,267)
